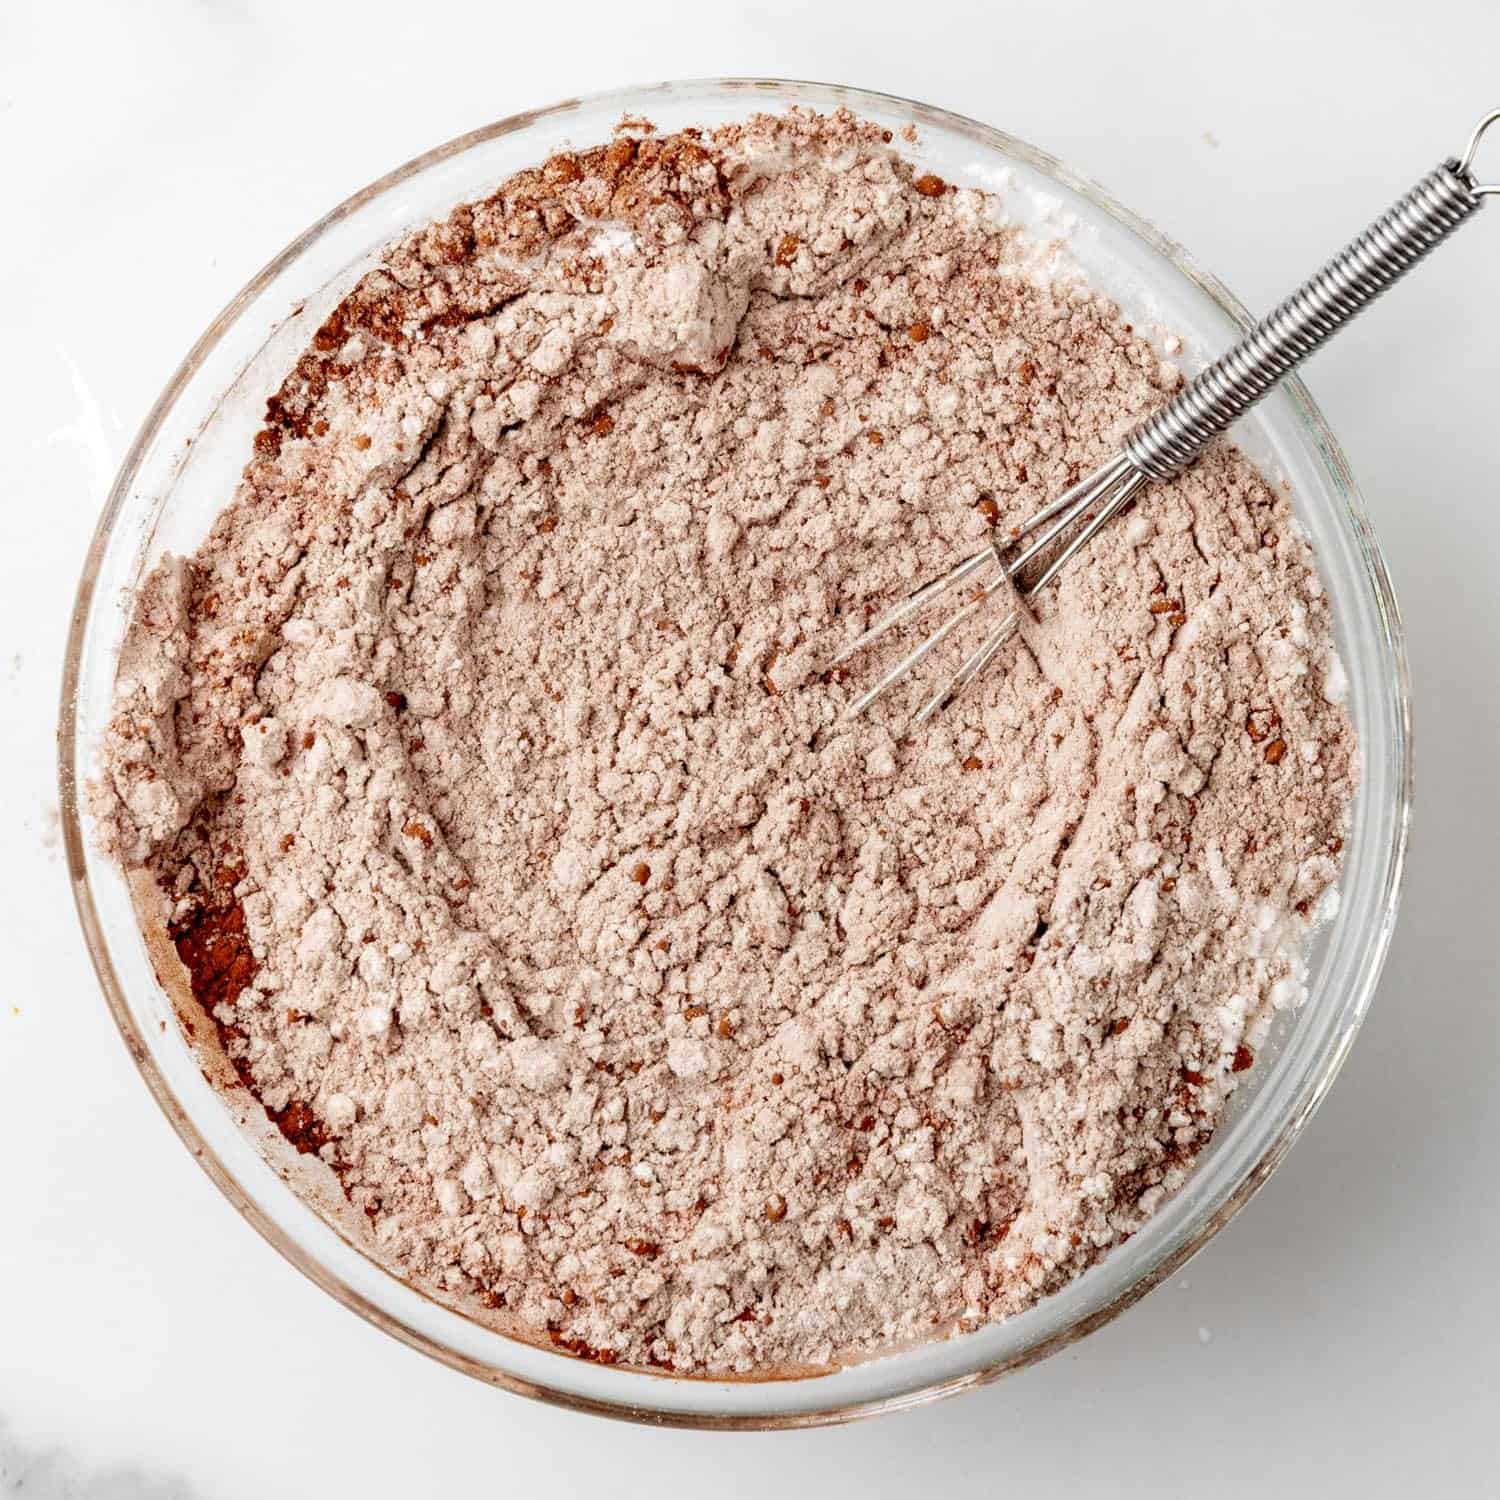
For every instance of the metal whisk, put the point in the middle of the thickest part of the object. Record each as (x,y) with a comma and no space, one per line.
(1171,438)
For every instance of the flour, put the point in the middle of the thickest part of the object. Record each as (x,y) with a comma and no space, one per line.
(489,753)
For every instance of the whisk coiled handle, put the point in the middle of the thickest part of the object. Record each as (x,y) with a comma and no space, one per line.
(1411,229)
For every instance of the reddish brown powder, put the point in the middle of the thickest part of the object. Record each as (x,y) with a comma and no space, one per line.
(211,940)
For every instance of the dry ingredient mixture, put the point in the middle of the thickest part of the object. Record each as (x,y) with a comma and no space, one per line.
(487,753)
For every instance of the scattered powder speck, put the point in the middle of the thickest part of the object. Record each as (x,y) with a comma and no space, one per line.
(488,754)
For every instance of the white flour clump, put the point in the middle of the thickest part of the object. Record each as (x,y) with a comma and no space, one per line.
(487,753)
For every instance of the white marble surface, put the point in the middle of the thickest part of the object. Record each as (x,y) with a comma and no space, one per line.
(1342,1336)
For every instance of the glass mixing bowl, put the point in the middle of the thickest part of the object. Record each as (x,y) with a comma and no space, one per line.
(183,466)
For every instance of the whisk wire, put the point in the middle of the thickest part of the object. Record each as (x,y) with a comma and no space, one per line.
(1067,506)
(1126,486)
(924,649)
(1101,492)
(915,603)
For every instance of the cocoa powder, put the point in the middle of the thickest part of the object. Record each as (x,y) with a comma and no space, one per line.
(487,753)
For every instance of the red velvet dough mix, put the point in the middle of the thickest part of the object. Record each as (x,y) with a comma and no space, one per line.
(489,761)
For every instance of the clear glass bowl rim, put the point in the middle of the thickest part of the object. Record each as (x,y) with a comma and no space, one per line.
(756,92)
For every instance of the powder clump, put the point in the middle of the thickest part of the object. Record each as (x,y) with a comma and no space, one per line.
(488,754)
